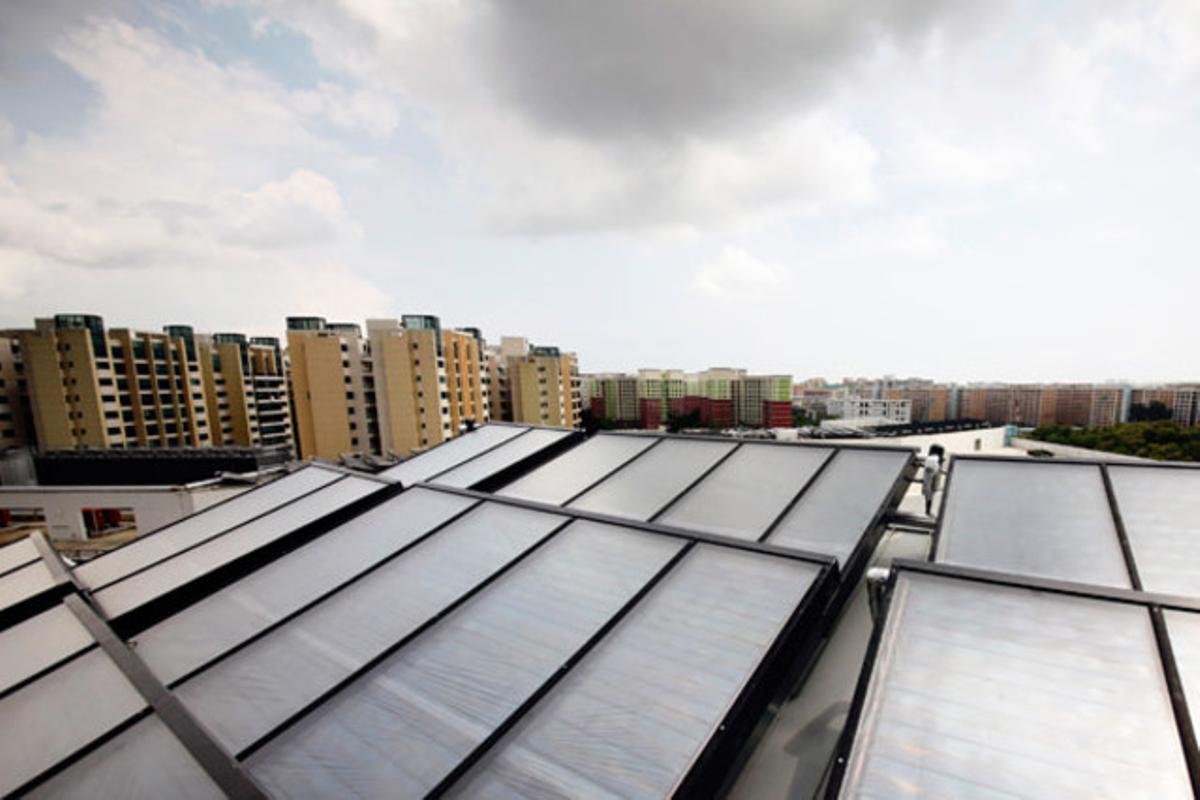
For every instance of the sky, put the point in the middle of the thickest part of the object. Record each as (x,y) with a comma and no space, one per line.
(960,190)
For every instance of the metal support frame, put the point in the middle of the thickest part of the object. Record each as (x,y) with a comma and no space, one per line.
(648,527)
(220,766)
(768,442)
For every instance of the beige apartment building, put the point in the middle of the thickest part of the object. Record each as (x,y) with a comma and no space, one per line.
(16,424)
(330,381)
(404,387)
(536,385)
(88,386)
(245,390)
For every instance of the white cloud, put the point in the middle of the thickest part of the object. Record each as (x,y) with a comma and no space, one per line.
(184,172)
(736,274)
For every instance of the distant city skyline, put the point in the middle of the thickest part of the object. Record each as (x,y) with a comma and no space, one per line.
(965,191)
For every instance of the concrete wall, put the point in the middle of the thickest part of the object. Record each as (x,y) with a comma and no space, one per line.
(153,506)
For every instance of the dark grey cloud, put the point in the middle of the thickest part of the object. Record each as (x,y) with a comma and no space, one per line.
(662,70)
(28,26)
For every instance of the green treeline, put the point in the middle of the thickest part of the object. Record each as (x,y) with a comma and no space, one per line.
(1160,440)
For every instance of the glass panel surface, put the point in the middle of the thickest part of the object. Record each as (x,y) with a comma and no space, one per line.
(146,761)
(502,457)
(246,695)
(51,718)
(188,531)
(1183,629)
(138,589)
(39,642)
(18,553)
(200,632)
(748,491)
(630,719)
(1161,512)
(448,454)
(642,489)
(834,513)
(402,728)
(1046,520)
(578,468)
(988,691)
(24,583)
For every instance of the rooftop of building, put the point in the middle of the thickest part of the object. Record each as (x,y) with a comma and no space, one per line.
(707,598)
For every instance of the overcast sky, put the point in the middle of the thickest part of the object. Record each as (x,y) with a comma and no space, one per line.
(993,190)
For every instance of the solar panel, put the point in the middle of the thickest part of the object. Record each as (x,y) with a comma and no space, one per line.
(356,639)
(50,719)
(450,454)
(979,689)
(488,464)
(839,506)
(185,641)
(402,728)
(1031,518)
(139,588)
(744,495)
(645,486)
(573,472)
(17,554)
(24,583)
(241,698)
(1160,508)
(1183,629)
(632,717)
(144,761)
(168,540)
(38,643)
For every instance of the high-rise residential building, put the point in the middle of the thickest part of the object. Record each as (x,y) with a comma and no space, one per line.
(467,378)
(405,386)
(1182,399)
(534,384)
(91,387)
(16,423)
(245,388)
(83,385)
(930,402)
(332,388)
(763,401)
(418,368)
(718,397)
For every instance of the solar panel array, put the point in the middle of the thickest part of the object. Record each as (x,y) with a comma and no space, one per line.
(336,634)
(473,458)
(1052,650)
(820,499)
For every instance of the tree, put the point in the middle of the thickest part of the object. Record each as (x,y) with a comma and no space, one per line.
(1148,413)
(1158,439)
(678,422)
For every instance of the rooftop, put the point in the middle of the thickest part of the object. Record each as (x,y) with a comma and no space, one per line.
(523,611)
